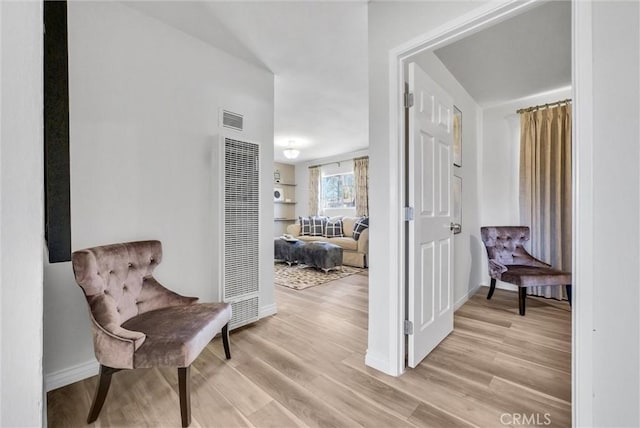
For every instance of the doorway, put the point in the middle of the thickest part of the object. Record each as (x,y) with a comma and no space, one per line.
(421,52)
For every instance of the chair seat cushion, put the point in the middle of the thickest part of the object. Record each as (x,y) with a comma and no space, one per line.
(176,335)
(531,276)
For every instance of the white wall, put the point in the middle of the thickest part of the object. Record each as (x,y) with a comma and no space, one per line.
(390,25)
(500,159)
(144,130)
(302,179)
(21,214)
(616,214)
(500,165)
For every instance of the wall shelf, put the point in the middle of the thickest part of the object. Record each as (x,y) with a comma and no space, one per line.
(284,208)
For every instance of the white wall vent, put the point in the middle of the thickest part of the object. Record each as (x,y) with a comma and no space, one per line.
(244,311)
(241,230)
(232,120)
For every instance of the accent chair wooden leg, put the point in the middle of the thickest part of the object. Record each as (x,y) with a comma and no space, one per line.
(102,388)
(225,341)
(569,291)
(492,288)
(184,389)
(522,298)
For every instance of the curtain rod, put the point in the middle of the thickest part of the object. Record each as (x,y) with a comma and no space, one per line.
(338,162)
(325,164)
(543,106)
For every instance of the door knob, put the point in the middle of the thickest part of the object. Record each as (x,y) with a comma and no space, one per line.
(456,227)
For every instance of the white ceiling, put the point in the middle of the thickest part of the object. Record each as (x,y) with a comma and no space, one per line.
(525,55)
(317,52)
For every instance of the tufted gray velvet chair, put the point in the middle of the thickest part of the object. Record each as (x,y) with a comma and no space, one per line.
(510,262)
(136,322)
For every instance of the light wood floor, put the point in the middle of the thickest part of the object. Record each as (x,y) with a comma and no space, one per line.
(305,367)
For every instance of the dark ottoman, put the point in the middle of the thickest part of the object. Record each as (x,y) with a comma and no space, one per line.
(287,250)
(322,255)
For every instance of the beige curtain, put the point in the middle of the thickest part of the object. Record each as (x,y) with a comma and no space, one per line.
(314,189)
(545,188)
(361,174)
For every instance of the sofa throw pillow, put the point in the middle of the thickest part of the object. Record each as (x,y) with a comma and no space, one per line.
(317,225)
(305,226)
(360,226)
(333,229)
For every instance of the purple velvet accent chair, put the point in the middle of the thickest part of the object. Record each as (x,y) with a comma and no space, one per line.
(510,262)
(137,322)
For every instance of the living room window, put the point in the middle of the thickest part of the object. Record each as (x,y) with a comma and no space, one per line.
(338,191)
(337,195)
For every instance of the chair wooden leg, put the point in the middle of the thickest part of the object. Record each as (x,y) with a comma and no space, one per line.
(492,288)
(225,341)
(184,389)
(102,388)
(569,291)
(522,298)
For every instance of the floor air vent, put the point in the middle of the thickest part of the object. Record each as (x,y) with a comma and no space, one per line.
(241,230)
(232,120)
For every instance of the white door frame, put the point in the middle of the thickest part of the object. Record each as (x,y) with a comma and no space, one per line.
(582,82)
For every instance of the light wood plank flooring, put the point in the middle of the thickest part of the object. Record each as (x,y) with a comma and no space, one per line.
(305,367)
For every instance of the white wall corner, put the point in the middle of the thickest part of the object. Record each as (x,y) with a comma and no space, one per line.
(267,310)
(500,285)
(583,228)
(70,375)
(21,214)
(463,299)
(381,363)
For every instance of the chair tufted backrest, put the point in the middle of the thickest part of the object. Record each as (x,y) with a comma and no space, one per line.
(503,243)
(117,273)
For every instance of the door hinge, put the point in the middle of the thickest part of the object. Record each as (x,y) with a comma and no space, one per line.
(408,99)
(408,213)
(408,327)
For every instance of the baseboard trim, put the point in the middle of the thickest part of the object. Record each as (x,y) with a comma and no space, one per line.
(461,301)
(379,364)
(70,375)
(266,311)
(506,286)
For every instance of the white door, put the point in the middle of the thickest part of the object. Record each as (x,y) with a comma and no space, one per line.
(430,252)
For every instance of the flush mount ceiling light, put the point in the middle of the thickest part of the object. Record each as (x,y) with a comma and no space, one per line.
(290,152)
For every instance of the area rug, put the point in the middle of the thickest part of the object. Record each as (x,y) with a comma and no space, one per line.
(300,277)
